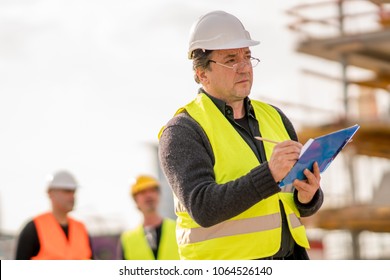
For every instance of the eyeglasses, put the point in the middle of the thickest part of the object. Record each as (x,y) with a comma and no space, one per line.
(253,62)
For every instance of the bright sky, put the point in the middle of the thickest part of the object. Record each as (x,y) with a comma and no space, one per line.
(85,85)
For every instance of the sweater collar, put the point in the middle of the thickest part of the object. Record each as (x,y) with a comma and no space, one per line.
(227,110)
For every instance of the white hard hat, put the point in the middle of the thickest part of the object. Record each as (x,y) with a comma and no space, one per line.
(62,180)
(218,30)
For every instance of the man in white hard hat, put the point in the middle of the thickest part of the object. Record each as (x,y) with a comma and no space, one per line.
(155,237)
(54,235)
(225,182)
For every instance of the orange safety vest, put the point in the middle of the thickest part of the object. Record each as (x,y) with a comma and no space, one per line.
(54,245)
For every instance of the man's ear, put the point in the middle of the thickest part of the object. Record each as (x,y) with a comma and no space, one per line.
(202,76)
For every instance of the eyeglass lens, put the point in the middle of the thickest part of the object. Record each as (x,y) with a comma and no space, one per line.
(252,63)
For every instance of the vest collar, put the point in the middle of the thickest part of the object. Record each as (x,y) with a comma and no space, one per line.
(226,110)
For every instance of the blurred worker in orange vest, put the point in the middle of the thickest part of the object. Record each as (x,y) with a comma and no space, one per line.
(155,238)
(54,235)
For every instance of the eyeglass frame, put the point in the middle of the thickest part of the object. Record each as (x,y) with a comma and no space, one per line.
(235,66)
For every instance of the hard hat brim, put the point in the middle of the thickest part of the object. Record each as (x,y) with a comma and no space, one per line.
(62,187)
(233,45)
(145,186)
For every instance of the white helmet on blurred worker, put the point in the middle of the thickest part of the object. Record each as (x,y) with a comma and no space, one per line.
(62,180)
(218,30)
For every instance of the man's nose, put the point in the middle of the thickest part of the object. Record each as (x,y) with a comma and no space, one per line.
(243,66)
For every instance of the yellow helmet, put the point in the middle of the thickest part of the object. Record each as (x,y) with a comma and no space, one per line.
(143,182)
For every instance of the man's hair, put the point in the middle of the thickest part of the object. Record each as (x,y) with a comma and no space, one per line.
(201,58)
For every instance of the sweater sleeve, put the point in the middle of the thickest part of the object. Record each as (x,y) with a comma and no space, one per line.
(28,243)
(187,160)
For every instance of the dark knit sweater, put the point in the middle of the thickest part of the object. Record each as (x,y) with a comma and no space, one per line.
(187,160)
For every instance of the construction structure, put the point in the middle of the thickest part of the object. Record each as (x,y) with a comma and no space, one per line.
(353,35)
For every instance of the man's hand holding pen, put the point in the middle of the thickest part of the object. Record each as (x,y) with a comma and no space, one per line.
(284,156)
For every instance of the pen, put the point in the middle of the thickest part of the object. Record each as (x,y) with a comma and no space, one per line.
(266,140)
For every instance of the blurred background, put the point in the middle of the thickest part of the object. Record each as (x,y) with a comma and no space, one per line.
(86,85)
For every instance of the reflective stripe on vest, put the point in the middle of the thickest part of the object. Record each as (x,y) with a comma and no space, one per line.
(54,245)
(255,233)
(136,247)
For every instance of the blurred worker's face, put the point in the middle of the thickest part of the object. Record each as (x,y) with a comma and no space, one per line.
(225,83)
(62,199)
(147,200)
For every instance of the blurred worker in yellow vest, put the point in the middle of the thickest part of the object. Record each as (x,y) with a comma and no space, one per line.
(54,235)
(155,238)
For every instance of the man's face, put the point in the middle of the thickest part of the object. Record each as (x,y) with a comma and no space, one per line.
(147,200)
(62,199)
(225,83)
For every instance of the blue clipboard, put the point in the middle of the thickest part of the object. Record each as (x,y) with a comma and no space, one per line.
(322,149)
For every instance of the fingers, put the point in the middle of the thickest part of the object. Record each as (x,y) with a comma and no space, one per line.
(289,146)
(316,170)
(307,188)
(283,158)
(313,177)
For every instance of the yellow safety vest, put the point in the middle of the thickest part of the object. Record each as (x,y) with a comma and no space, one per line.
(255,233)
(136,247)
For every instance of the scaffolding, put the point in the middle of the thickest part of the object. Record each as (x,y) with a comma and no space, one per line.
(354,34)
